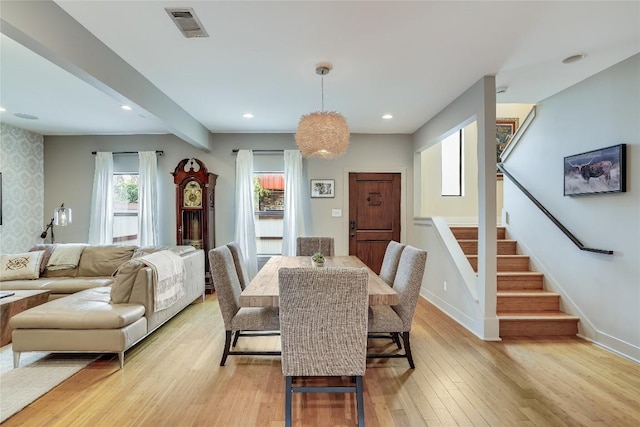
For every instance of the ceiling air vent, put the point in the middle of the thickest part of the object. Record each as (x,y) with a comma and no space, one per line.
(187,22)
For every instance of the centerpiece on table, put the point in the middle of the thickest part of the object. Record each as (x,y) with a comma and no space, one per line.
(317,259)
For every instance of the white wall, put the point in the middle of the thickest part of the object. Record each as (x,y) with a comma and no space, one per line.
(69,168)
(478,103)
(454,208)
(603,290)
(21,164)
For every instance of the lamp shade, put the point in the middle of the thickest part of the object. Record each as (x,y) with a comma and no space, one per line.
(323,134)
(62,216)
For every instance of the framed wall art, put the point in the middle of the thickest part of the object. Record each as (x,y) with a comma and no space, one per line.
(505,129)
(596,172)
(322,188)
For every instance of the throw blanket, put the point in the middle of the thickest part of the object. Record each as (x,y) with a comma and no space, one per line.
(168,278)
(65,256)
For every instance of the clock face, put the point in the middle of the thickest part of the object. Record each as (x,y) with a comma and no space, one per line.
(192,194)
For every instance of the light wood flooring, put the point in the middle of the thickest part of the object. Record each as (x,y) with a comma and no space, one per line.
(173,378)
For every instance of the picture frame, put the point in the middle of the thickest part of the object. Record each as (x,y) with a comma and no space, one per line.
(506,127)
(322,188)
(596,172)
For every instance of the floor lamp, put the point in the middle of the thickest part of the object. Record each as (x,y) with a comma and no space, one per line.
(61,217)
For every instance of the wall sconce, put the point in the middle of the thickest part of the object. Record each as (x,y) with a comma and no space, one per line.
(61,217)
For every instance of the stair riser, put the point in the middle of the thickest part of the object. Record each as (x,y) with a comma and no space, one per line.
(531,303)
(505,247)
(519,283)
(505,264)
(524,328)
(472,232)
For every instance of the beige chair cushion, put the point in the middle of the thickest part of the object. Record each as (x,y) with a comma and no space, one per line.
(103,260)
(123,280)
(21,266)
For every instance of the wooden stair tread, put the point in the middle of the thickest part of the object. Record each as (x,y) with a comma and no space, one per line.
(537,315)
(503,256)
(526,293)
(519,273)
(475,240)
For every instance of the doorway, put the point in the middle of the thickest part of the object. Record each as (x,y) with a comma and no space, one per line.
(374,215)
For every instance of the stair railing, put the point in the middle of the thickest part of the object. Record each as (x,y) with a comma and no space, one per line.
(553,219)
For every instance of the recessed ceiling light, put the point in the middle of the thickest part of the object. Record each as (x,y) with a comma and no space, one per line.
(573,58)
(247,116)
(2,110)
(387,117)
(26,116)
(126,107)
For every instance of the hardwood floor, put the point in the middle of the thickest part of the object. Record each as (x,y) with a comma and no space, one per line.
(173,378)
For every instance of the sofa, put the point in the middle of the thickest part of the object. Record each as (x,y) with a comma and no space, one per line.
(104,304)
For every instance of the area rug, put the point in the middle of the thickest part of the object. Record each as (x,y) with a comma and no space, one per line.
(38,373)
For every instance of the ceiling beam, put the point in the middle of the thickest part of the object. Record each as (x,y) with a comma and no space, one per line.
(46,29)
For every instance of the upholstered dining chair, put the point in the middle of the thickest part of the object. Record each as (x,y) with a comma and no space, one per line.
(390,261)
(307,246)
(238,261)
(388,274)
(241,319)
(323,328)
(398,318)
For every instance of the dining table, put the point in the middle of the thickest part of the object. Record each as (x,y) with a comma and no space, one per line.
(263,290)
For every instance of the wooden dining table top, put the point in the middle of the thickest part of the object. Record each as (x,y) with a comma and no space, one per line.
(263,291)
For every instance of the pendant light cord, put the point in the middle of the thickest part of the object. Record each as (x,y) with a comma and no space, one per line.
(322,89)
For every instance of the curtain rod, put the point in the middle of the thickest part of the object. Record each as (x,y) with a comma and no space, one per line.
(158,152)
(235,151)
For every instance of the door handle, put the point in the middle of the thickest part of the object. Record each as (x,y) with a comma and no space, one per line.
(352,224)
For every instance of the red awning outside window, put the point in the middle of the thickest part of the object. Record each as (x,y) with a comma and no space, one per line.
(271,181)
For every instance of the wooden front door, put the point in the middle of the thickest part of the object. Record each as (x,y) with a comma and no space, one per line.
(374,215)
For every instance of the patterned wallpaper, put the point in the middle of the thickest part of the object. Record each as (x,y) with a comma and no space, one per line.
(22,167)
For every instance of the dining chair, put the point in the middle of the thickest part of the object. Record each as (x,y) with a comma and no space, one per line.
(238,261)
(397,319)
(260,321)
(390,261)
(388,274)
(323,327)
(307,246)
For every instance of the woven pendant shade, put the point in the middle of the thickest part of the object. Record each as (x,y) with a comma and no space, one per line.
(322,133)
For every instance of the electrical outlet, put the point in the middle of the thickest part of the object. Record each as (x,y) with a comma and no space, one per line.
(445,286)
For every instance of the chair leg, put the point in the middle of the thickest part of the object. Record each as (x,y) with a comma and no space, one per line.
(360,400)
(407,349)
(235,338)
(396,339)
(227,345)
(287,401)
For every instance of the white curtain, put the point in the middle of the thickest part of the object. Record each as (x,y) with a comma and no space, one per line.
(101,220)
(148,199)
(245,233)
(293,201)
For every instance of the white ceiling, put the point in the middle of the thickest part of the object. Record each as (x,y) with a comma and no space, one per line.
(410,59)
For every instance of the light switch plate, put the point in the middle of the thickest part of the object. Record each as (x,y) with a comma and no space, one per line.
(336,212)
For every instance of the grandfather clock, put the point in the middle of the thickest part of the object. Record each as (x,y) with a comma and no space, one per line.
(195,204)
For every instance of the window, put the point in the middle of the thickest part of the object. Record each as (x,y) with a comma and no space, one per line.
(125,209)
(451,148)
(269,216)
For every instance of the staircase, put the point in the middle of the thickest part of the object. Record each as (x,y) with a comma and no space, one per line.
(523,307)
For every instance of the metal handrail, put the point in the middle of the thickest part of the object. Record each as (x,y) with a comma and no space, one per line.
(553,219)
